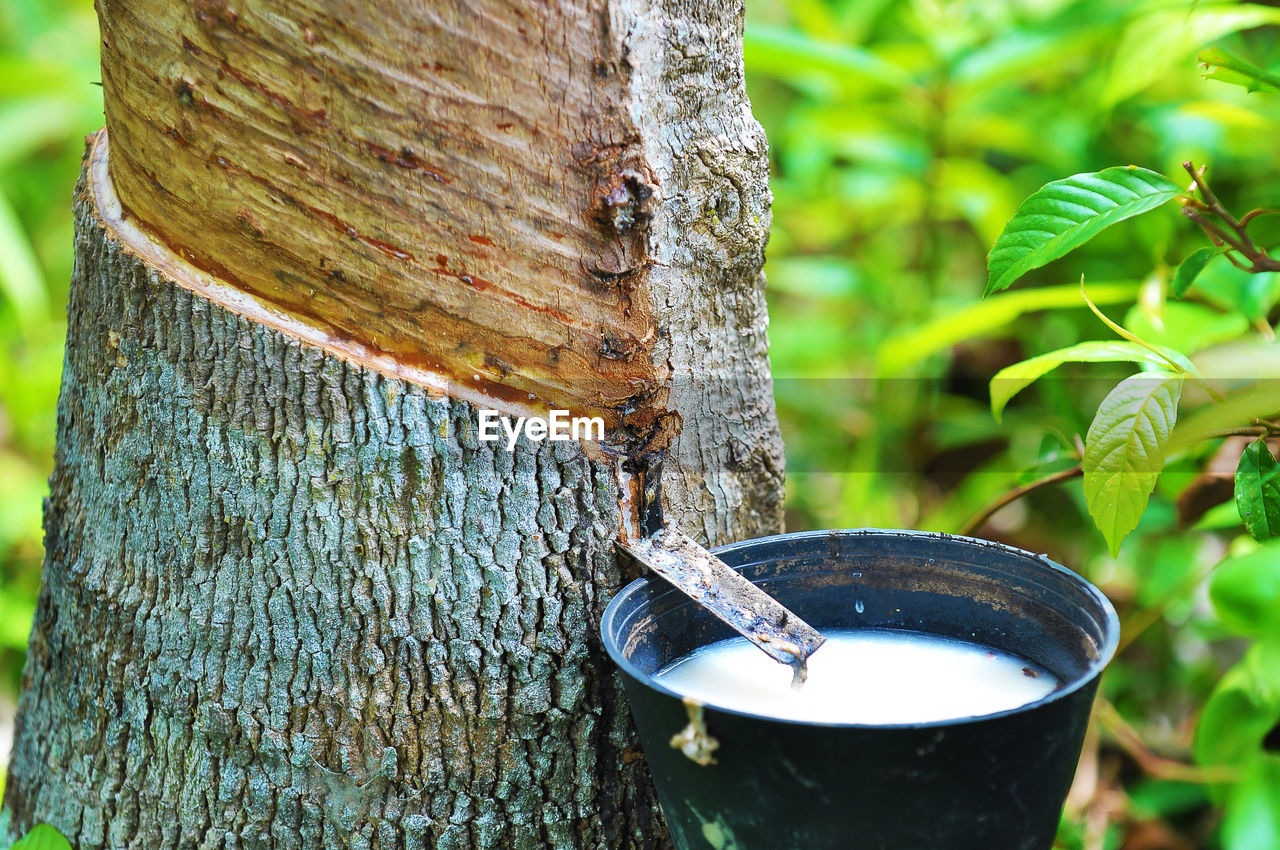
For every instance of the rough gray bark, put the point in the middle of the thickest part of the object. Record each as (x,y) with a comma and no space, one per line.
(290,601)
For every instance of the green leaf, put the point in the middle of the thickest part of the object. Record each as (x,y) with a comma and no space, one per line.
(1065,214)
(21,280)
(1253,295)
(1190,269)
(1227,67)
(25,487)
(1242,709)
(1221,517)
(1011,380)
(1124,451)
(1245,591)
(42,837)
(1158,41)
(814,276)
(1258,491)
(1186,327)
(1251,819)
(16,614)
(979,319)
(28,124)
(977,192)
(1018,52)
(1160,798)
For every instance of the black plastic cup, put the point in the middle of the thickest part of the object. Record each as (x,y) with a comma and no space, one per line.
(995,782)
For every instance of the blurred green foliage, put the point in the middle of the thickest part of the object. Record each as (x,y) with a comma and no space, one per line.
(904,135)
(48,102)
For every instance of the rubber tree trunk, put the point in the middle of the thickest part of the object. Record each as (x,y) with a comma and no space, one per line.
(289,598)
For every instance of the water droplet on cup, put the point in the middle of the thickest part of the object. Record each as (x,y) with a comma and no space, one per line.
(859,607)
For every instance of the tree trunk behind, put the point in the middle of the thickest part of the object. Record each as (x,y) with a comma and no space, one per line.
(289,599)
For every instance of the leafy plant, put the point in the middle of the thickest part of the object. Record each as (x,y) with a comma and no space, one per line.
(904,134)
(1228,67)
(1257,491)
(1067,213)
(1123,452)
(1131,439)
(48,102)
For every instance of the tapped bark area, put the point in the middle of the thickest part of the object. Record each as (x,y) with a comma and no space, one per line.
(457,185)
(288,595)
(525,205)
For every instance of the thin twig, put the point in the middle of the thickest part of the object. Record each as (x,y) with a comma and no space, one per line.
(1239,239)
(1217,234)
(979,519)
(1252,214)
(1152,764)
(1261,428)
(1197,176)
(1178,368)
(1126,334)
(1233,261)
(1257,430)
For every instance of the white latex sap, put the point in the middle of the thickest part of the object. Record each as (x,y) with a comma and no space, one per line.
(869,676)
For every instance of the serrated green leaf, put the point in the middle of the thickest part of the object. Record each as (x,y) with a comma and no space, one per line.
(1227,67)
(1124,451)
(42,837)
(1190,269)
(1159,40)
(1011,380)
(1245,591)
(1065,214)
(1258,491)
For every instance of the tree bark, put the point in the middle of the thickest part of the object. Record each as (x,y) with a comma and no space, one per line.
(289,599)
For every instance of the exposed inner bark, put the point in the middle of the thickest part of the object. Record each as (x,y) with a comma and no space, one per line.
(457,184)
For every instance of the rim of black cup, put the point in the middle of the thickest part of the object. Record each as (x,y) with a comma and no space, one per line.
(1109,623)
